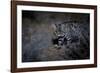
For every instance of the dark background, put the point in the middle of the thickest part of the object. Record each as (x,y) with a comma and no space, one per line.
(38,30)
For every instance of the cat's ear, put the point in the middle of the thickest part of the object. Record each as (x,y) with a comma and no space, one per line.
(54,27)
